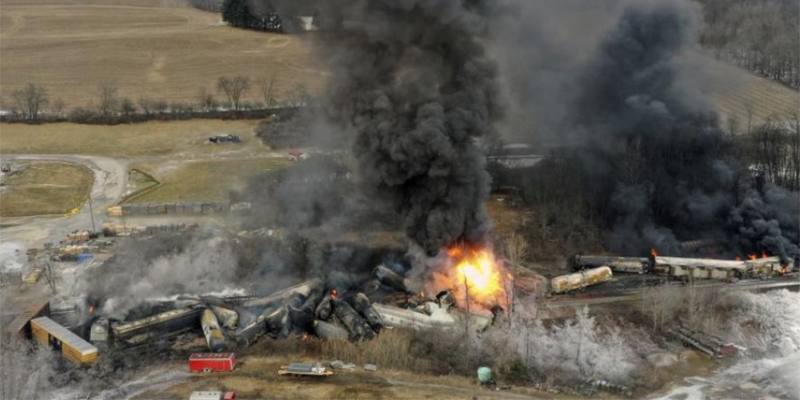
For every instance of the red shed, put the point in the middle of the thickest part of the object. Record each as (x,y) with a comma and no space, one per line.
(212,362)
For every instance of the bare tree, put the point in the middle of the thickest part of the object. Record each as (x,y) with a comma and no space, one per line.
(108,99)
(661,303)
(127,107)
(146,105)
(299,95)
(233,88)
(771,150)
(516,251)
(793,178)
(267,86)
(160,106)
(50,276)
(58,107)
(30,100)
(206,100)
(25,370)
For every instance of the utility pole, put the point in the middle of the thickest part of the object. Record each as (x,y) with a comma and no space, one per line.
(91,213)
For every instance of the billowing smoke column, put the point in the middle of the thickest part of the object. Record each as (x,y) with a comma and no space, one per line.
(652,156)
(413,82)
(655,157)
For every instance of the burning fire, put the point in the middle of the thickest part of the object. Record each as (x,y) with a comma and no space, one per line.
(755,256)
(474,276)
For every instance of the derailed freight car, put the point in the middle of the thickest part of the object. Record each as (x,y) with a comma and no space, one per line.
(49,333)
(172,321)
(212,332)
(580,280)
(702,268)
(632,265)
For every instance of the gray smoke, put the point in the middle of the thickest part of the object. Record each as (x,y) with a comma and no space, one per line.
(413,81)
(161,267)
(654,163)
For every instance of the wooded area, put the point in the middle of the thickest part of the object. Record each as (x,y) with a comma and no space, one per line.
(773,152)
(239,13)
(759,35)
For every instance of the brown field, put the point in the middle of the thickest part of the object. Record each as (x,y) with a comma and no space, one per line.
(148,48)
(45,188)
(178,139)
(738,94)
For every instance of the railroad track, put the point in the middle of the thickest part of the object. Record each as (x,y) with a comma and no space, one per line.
(631,295)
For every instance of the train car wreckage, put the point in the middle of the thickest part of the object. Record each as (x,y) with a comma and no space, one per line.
(313,307)
(309,306)
(687,268)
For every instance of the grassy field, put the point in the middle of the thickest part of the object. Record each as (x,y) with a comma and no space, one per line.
(739,94)
(157,49)
(45,188)
(179,139)
(208,180)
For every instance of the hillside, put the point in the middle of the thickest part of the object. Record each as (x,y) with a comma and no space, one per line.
(146,48)
(738,93)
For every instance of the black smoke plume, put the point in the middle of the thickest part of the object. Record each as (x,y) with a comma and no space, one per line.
(412,82)
(660,152)
(654,162)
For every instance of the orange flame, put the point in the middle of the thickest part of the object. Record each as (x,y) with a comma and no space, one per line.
(653,252)
(334,294)
(738,258)
(764,254)
(472,273)
(752,256)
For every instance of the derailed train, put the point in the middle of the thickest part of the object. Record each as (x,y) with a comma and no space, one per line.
(243,320)
(688,268)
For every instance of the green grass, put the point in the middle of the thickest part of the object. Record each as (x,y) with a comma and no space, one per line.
(141,183)
(210,180)
(46,188)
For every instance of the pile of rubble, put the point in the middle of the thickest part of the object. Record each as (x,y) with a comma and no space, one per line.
(308,307)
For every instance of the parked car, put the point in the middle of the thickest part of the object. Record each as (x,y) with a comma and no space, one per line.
(225,139)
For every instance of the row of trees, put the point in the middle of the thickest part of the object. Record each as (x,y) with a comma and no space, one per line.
(32,102)
(759,35)
(239,13)
(773,151)
(207,5)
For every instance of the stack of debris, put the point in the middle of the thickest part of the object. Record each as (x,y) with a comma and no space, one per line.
(308,307)
(710,345)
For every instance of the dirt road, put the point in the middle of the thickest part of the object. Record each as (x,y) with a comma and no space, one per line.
(110,181)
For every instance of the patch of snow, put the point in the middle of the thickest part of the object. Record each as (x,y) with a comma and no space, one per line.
(12,257)
(772,369)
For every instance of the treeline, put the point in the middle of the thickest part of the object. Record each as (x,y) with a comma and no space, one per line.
(772,151)
(759,35)
(239,13)
(569,218)
(207,5)
(32,104)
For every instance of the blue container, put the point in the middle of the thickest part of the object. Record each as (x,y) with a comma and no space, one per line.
(85,257)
